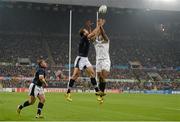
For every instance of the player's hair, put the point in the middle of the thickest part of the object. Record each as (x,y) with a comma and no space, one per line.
(81,32)
(39,62)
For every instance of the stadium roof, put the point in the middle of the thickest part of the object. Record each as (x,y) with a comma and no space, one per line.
(172,5)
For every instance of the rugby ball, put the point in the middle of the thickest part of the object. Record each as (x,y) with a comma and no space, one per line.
(102,9)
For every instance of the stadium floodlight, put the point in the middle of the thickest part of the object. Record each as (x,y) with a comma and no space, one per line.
(164,1)
(169,0)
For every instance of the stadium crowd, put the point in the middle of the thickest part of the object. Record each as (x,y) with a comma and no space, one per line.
(85,84)
(149,53)
(116,73)
(140,40)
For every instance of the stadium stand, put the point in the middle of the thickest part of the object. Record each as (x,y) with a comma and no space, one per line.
(154,42)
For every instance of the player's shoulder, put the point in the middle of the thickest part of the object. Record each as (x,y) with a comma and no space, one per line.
(84,37)
(40,70)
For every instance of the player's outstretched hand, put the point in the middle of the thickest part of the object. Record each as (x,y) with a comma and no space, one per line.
(101,22)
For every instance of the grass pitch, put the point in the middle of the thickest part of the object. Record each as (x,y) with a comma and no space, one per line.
(117,107)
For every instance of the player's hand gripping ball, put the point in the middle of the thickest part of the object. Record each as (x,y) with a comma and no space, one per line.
(103,9)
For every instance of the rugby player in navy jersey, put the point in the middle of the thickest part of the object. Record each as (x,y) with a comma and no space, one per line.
(36,89)
(82,61)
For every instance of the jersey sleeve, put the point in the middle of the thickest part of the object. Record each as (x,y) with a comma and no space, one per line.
(85,38)
(41,72)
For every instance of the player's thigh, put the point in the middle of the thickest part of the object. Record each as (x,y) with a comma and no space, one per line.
(41,96)
(76,73)
(98,67)
(106,64)
(32,93)
(32,99)
(88,67)
(90,71)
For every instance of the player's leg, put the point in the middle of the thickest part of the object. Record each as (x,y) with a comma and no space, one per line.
(100,98)
(102,84)
(103,75)
(41,98)
(76,74)
(102,68)
(91,74)
(29,102)
(32,98)
(100,80)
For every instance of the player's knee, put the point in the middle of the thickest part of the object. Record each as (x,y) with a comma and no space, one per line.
(31,102)
(101,79)
(104,78)
(92,74)
(43,100)
(105,74)
(75,76)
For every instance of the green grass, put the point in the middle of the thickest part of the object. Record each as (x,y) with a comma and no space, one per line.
(117,107)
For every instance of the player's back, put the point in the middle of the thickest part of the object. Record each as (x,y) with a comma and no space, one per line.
(84,45)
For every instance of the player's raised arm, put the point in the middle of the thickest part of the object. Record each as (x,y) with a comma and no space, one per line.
(42,79)
(96,31)
(104,35)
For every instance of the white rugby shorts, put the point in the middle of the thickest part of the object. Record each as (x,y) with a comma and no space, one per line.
(82,62)
(103,64)
(35,90)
